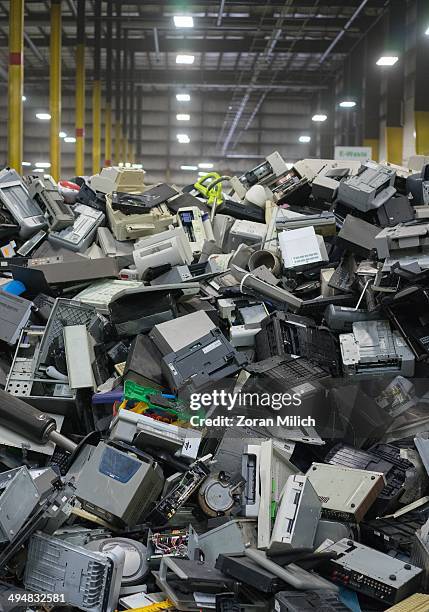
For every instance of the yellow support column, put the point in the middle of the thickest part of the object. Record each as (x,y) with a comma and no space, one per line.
(80,91)
(374,143)
(80,111)
(394,144)
(126,149)
(117,142)
(422,132)
(108,135)
(55,89)
(122,146)
(16,83)
(96,127)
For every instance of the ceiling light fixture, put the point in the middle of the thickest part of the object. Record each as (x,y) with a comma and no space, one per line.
(62,134)
(184,58)
(205,165)
(427,32)
(43,116)
(192,168)
(23,98)
(305,139)
(183,21)
(183,117)
(183,97)
(26,164)
(69,139)
(183,138)
(387,60)
(42,164)
(319,117)
(347,104)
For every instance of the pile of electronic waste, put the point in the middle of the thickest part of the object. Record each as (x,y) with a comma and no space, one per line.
(215,397)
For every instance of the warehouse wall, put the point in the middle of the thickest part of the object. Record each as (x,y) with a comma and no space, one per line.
(278,125)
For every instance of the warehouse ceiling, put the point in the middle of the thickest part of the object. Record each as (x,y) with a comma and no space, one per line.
(281,43)
(244,53)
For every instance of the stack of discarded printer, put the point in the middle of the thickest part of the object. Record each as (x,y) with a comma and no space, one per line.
(216,397)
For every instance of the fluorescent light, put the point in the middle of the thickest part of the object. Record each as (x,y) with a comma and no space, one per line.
(305,139)
(387,60)
(23,98)
(183,138)
(189,168)
(38,171)
(319,118)
(205,165)
(347,104)
(26,164)
(69,139)
(183,117)
(62,134)
(183,21)
(184,58)
(202,173)
(183,97)
(427,32)
(42,164)
(43,116)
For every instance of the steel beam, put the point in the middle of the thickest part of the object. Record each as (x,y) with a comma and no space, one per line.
(313,45)
(220,13)
(344,30)
(317,20)
(36,50)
